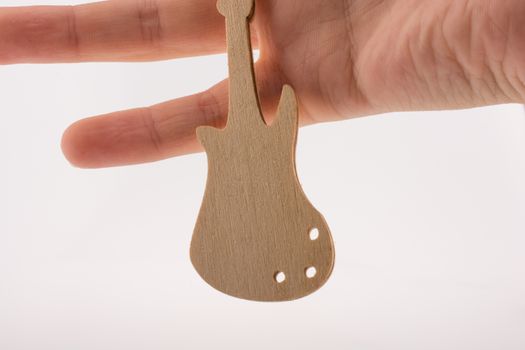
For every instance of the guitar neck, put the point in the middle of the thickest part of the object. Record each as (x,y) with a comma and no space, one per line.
(243,93)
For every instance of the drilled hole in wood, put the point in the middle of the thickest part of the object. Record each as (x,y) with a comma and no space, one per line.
(311,272)
(314,234)
(279,277)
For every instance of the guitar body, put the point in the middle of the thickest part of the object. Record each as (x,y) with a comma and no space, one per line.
(252,239)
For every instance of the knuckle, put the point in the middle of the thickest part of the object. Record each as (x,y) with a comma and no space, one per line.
(210,109)
(73,37)
(149,19)
(151,126)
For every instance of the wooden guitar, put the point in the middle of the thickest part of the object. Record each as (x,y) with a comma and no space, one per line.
(257,236)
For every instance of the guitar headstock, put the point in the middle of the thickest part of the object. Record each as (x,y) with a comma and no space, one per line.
(229,8)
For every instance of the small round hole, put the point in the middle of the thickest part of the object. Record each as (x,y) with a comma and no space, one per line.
(314,234)
(279,277)
(311,272)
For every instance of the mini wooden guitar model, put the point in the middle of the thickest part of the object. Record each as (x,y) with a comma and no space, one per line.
(257,236)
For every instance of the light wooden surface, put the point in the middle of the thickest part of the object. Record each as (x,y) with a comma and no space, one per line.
(257,236)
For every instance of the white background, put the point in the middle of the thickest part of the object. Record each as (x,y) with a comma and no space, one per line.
(427,212)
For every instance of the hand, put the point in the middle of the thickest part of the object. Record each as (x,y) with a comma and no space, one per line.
(345,58)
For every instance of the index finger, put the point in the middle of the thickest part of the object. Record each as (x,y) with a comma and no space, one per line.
(117,30)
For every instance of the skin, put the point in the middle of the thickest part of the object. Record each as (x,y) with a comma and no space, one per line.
(344,58)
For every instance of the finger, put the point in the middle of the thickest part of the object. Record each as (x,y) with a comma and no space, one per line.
(154,133)
(131,30)
(144,134)
(161,131)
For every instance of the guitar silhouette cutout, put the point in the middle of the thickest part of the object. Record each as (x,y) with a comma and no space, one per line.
(257,236)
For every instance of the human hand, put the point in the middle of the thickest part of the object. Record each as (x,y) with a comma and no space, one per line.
(344,58)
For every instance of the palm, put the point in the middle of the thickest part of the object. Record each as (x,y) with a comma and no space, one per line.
(312,52)
(393,56)
(344,58)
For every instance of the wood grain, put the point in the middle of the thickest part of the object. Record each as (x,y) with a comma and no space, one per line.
(255,221)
